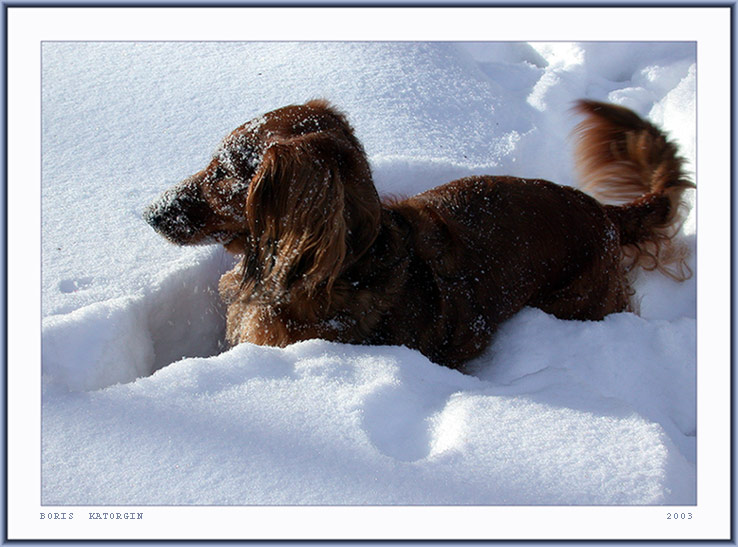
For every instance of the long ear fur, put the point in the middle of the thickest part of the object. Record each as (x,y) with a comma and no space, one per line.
(295,212)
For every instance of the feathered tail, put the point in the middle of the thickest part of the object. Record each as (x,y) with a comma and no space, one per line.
(624,159)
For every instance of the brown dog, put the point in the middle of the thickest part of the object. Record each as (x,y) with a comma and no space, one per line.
(324,257)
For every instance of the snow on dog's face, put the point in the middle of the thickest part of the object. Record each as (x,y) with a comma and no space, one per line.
(227,201)
(209,206)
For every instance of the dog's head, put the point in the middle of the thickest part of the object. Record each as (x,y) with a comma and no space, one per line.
(291,189)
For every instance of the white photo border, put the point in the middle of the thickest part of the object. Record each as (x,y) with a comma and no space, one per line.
(709,27)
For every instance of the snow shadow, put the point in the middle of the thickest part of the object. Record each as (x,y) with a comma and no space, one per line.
(186,317)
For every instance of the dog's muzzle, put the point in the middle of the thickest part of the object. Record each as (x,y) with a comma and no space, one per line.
(178,215)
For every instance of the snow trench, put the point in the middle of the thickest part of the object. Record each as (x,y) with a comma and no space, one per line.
(117,341)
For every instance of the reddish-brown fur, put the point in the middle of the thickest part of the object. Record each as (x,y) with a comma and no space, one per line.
(324,257)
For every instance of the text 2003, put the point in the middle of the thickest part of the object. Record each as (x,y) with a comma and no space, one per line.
(678,516)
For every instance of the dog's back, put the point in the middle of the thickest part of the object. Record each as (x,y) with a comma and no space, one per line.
(493,245)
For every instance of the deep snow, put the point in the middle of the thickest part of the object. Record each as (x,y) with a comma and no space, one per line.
(142,405)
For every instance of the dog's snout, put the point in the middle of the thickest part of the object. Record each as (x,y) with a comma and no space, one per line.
(153,217)
(179,214)
(160,214)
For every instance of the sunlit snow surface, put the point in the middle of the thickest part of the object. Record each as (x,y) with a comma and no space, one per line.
(142,405)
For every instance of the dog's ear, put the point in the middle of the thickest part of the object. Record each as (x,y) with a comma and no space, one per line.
(295,211)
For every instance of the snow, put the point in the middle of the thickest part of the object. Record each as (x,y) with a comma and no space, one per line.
(142,404)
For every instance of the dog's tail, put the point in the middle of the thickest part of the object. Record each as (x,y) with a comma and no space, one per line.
(624,159)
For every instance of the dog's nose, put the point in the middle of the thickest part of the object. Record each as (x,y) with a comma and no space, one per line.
(153,217)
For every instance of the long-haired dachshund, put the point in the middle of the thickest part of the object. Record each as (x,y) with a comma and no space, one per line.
(324,257)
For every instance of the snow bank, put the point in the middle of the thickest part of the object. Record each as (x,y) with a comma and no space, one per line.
(142,405)
(322,423)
